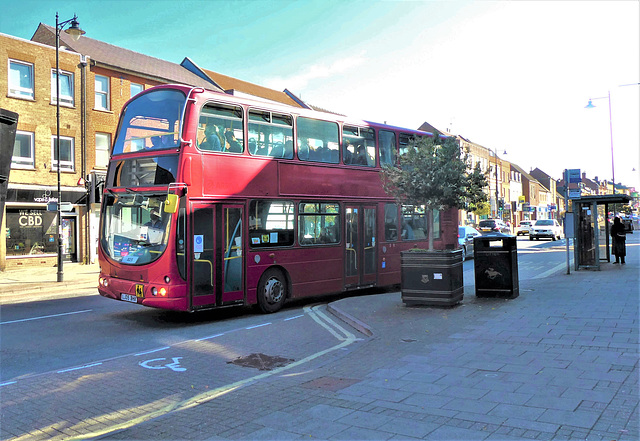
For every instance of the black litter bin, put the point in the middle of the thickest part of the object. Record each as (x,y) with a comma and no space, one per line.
(496,266)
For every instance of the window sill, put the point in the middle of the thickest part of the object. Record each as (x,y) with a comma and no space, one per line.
(68,106)
(22,167)
(103,110)
(23,98)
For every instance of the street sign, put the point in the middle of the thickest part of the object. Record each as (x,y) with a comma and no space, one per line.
(66,207)
(574,193)
(573,176)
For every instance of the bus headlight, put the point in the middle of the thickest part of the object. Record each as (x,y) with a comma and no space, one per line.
(167,279)
(154,291)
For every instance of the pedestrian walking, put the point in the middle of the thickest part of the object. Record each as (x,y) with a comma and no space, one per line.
(619,237)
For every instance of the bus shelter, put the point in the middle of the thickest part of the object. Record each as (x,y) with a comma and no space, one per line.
(592,244)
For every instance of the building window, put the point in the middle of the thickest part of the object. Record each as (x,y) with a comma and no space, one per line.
(20,79)
(66,154)
(136,89)
(102,93)
(66,87)
(103,142)
(23,151)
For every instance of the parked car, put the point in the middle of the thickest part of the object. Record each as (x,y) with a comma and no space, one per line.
(465,240)
(524,227)
(493,226)
(546,228)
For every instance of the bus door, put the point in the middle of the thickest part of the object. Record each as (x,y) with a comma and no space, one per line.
(360,245)
(216,255)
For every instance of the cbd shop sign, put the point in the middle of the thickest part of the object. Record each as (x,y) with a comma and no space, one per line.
(30,218)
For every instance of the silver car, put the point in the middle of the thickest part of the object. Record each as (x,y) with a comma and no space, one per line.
(465,240)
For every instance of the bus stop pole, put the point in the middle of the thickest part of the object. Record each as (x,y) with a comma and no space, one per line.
(566,217)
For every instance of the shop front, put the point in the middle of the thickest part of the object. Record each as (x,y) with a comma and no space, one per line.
(31,230)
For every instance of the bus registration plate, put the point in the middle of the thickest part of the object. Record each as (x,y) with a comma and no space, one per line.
(128,298)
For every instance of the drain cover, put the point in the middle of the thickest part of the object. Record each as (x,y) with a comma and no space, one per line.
(261,361)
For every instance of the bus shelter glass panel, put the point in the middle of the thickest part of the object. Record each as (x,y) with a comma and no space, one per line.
(603,236)
(586,236)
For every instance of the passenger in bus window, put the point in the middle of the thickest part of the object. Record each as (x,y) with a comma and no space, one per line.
(303,150)
(361,155)
(211,139)
(232,143)
(348,153)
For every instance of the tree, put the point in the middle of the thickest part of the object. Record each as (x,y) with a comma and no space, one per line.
(434,172)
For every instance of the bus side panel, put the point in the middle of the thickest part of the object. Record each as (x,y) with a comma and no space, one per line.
(330,181)
(312,270)
(229,175)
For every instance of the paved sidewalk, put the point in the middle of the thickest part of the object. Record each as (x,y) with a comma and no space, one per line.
(559,362)
(40,283)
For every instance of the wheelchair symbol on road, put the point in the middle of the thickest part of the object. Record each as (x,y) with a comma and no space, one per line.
(174,366)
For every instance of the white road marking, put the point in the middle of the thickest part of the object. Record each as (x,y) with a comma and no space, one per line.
(152,351)
(46,316)
(79,367)
(258,326)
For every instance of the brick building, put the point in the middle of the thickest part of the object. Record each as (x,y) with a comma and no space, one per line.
(27,75)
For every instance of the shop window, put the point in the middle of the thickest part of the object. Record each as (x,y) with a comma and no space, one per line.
(30,232)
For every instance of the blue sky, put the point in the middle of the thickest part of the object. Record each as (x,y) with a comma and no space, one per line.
(512,76)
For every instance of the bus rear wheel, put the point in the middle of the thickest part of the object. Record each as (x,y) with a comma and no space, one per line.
(272,291)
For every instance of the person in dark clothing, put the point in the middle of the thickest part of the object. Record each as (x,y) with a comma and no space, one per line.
(619,236)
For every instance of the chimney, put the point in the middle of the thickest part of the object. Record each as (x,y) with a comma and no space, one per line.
(584,175)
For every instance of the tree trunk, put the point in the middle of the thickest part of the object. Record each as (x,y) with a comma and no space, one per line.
(430,227)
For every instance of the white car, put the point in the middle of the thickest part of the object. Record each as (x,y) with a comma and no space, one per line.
(524,227)
(546,228)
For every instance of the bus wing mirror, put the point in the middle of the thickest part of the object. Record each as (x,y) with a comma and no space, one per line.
(171,203)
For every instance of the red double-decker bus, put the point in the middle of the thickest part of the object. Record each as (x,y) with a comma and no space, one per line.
(213,201)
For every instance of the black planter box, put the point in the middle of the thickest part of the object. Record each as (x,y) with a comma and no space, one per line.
(432,278)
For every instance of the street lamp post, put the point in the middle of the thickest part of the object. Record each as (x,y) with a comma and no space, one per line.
(75,32)
(495,152)
(591,106)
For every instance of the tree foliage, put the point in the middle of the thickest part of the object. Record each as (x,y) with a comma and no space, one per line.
(434,172)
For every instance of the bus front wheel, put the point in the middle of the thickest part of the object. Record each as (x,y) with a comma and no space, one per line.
(272,291)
